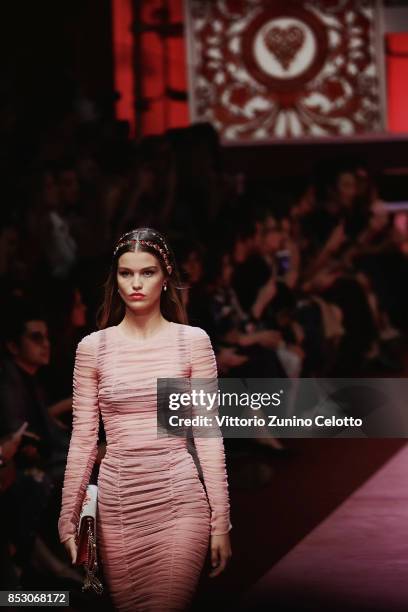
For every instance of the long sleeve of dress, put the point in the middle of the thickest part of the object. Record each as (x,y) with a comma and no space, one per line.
(83,445)
(210,450)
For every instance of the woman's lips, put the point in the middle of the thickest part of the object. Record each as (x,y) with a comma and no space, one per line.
(136,296)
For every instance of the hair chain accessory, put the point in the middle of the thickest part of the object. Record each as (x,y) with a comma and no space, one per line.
(164,252)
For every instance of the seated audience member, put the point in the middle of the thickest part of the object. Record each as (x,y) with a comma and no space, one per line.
(230,326)
(37,476)
(376,255)
(241,349)
(331,231)
(23,394)
(259,282)
(321,319)
(190,254)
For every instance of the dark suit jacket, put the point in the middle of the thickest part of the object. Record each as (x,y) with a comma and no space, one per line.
(21,399)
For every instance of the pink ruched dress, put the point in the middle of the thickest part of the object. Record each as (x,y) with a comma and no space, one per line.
(154,515)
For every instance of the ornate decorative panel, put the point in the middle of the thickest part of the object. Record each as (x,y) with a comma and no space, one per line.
(263,69)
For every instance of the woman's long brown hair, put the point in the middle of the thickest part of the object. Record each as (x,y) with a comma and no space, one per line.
(112,309)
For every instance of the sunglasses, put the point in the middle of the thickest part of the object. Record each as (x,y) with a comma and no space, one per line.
(37,337)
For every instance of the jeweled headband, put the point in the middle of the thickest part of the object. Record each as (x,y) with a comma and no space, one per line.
(164,252)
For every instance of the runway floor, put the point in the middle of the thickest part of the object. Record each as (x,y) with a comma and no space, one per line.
(356,559)
(323,529)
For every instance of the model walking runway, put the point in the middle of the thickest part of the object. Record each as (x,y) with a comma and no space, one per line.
(154,519)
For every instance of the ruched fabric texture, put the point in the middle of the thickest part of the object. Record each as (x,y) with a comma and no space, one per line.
(154,515)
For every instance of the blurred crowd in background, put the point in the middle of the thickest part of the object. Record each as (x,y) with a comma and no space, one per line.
(307,281)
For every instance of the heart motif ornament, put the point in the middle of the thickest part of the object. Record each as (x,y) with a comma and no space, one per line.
(284,43)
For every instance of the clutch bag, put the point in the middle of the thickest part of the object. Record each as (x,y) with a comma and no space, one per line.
(86,540)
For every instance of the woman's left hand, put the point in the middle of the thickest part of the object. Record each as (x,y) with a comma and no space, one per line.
(220,553)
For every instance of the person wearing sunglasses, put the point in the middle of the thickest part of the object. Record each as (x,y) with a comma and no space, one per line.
(26,349)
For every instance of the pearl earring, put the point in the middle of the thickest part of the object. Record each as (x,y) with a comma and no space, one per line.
(165,287)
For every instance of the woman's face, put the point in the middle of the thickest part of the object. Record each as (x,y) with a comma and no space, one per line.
(193,266)
(139,273)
